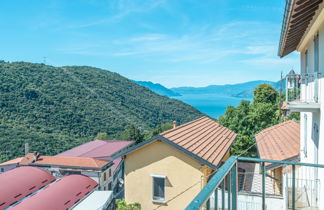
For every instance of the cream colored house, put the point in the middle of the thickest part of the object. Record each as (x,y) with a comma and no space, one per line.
(168,171)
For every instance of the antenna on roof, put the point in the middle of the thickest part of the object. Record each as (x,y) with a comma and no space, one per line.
(26,148)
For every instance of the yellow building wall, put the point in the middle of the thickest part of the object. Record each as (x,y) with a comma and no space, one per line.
(185,176)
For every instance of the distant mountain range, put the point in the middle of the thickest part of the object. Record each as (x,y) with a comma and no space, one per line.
(240,90)
(158,88)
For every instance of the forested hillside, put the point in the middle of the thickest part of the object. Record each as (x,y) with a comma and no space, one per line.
(55,108)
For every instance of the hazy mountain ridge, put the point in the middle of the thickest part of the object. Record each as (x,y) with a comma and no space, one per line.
(158,88)
(241,90)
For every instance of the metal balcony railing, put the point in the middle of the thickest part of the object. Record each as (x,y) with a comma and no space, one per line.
(243,183)
(302,88)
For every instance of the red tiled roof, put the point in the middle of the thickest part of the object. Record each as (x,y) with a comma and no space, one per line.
(70,161)
(18,183)
(279,142)
(13,161)
(203,137)
(62,194)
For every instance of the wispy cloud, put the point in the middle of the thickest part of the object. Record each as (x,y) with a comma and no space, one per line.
(122,9)
(206,45)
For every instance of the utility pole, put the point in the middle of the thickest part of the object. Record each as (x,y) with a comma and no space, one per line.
(44,60)
(280,94)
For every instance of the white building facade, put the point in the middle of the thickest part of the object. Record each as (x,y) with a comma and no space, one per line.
(303,30)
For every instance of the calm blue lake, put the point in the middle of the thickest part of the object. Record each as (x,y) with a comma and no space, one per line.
(213,105)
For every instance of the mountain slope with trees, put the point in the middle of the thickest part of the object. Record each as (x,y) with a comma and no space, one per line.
(56,108)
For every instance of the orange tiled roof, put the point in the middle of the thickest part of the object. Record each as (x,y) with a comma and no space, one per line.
(203,137)
(13,161)
(279,142)
(70,161)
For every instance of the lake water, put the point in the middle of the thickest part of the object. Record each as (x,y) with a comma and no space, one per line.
(213,105)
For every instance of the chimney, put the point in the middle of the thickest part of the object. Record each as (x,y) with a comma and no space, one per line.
(26,148)
(174,124)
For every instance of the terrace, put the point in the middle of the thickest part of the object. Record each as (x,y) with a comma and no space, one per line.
(303,92)
(299,187)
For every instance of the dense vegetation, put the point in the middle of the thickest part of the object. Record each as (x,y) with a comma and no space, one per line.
(56,108)
(248,119)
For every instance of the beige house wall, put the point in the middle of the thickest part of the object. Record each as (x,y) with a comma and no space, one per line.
(184,176)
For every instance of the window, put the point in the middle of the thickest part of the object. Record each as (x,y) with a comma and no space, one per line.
(305,135)
(109,172)
(105,176)
(158,188)
(2,170)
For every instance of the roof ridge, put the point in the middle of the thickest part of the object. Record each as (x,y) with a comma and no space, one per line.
(183,125)
(276,126)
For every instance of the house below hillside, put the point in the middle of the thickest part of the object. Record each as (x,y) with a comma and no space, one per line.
(167,171)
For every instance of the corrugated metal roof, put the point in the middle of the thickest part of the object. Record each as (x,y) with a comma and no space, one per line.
(97,200)
(20,182)
(62,194)
(203,137)
(100,149)
(96,149)
(279,142)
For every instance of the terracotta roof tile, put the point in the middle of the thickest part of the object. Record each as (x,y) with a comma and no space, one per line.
(70,161)
(203,137)
(279,142)
(13,161)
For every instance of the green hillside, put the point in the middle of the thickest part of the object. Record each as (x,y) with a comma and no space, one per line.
(56,108)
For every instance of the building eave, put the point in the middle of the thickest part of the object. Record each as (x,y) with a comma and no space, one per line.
(297,19)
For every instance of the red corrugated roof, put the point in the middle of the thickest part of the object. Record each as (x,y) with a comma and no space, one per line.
(62,194)
(100,149)
(97,149)
(203,137)
(17,183)
(279,142)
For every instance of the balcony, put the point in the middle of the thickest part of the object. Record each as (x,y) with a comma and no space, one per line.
(252,184)
(303,92)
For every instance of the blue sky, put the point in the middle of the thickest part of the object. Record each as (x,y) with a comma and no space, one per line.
(173,42)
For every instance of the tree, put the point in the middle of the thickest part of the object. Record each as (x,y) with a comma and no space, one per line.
(132,133)
(248,119)
(102,136)
(265,94)
(159,129)
(122,205)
